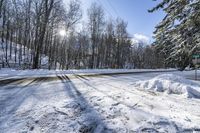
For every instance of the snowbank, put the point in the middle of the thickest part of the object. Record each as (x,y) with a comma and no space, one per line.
(172,84)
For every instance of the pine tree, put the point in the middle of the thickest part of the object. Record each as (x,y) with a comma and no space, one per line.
(177,35)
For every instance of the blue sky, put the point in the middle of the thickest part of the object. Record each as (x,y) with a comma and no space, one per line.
(140,23)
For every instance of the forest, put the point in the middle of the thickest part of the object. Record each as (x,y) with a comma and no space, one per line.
(31,29)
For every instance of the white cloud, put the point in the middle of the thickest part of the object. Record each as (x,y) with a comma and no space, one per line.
(140,38)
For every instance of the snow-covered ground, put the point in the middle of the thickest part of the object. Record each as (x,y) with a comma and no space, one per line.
(101,103)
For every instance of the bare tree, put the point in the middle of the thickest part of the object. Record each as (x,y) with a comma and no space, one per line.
(96,21)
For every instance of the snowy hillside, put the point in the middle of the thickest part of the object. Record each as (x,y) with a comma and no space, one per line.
(17,56)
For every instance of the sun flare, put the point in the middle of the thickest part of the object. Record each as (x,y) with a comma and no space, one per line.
(62,32)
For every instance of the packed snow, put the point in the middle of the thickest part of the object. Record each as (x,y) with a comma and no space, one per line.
(77,103)
(171,84)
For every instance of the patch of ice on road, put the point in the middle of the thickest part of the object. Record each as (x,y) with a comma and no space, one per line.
(172,84)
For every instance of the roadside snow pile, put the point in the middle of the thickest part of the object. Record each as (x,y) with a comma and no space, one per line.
(172,84)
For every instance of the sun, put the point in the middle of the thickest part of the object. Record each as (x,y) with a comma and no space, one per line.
(62,32)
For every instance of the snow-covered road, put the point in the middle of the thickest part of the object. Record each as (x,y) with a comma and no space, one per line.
(99,103)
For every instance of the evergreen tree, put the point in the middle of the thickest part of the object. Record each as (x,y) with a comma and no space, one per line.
(177,35)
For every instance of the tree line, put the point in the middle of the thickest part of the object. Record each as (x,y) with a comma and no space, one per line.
(97,42)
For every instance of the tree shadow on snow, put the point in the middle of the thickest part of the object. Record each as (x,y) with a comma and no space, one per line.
(91,120)
(10,103)
(148,126)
